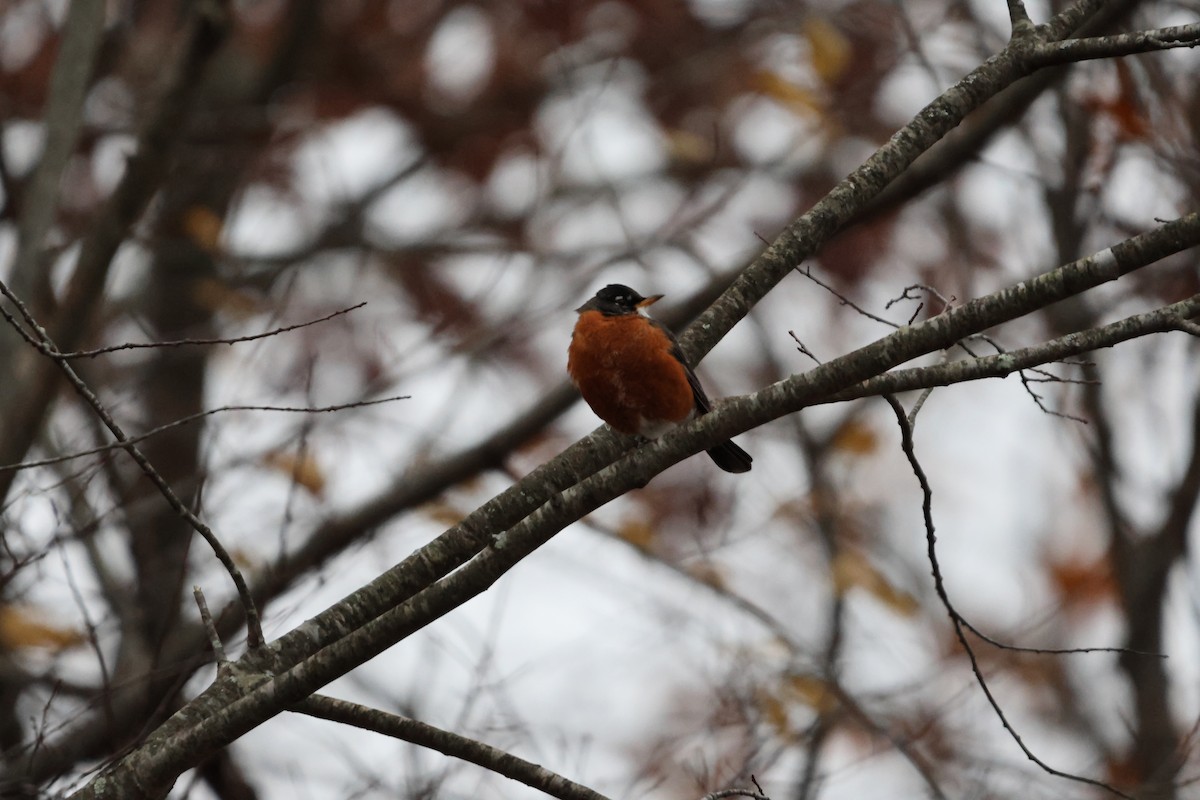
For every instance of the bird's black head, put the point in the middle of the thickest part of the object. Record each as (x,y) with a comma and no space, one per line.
(616,300)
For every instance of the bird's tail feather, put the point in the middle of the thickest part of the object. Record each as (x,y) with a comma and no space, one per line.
(731,458)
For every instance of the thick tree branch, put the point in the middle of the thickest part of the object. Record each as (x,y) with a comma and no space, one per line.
(1049,54)
(1160,320)
(850,198)
(231,707)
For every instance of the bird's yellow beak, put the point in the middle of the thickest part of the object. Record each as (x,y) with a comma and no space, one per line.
(649,301)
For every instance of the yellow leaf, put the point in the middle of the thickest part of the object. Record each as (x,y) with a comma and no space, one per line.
(830,48)
(855,438)
(775,713)
(638,534)
(814,692)
(784,92)
(20,626)
(303,469)
(851,569)
(444,513)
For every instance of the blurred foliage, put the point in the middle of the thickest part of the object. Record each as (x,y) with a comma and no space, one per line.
(475,169)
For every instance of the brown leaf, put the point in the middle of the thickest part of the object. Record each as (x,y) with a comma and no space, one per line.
(854,437)
(790,95)
(1082,583)
(442,512)
(23,626)
(814,692)
(707,573)
(203,226)
(775,713)
(830,48)
(638,534)
(851,569)
(302,468)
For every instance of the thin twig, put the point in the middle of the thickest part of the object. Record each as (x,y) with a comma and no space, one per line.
(1004,364)
(185,342)
(214,638)
(40,339)
(803,348)
(192,418)
(960,624)
(846,301)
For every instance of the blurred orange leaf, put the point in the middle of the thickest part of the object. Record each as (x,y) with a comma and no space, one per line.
(1082,584)
(814,692)
(855,438)
(303,469)
(797,98)
(851,569)
(1123,771)
(22,626)
(638,534)
(203,226)
(830,48)
(444,513)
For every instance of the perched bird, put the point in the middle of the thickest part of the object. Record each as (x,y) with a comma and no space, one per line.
(630,370)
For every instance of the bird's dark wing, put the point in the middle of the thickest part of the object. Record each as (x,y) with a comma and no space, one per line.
(703,406)
(727,455)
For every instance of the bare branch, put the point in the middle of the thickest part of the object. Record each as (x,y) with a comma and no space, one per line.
(193,418)
(222,340)
(450,744)
(214,638)
(1160,320)
(751,793)
(37,337)
(1071,50)
(956,618)
(1018,17)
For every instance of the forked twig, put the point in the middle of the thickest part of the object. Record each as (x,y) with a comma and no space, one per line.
(960,624)
(40,339)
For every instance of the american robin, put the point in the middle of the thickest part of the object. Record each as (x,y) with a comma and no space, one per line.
(630,370)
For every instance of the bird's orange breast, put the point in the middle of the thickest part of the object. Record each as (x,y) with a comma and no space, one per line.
(625,371)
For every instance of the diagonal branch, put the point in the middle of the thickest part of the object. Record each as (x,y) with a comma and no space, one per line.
(451,744)
(1160,320)
(40,339)
(398,602)
(230,707)
(1124,44)
(960,624)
